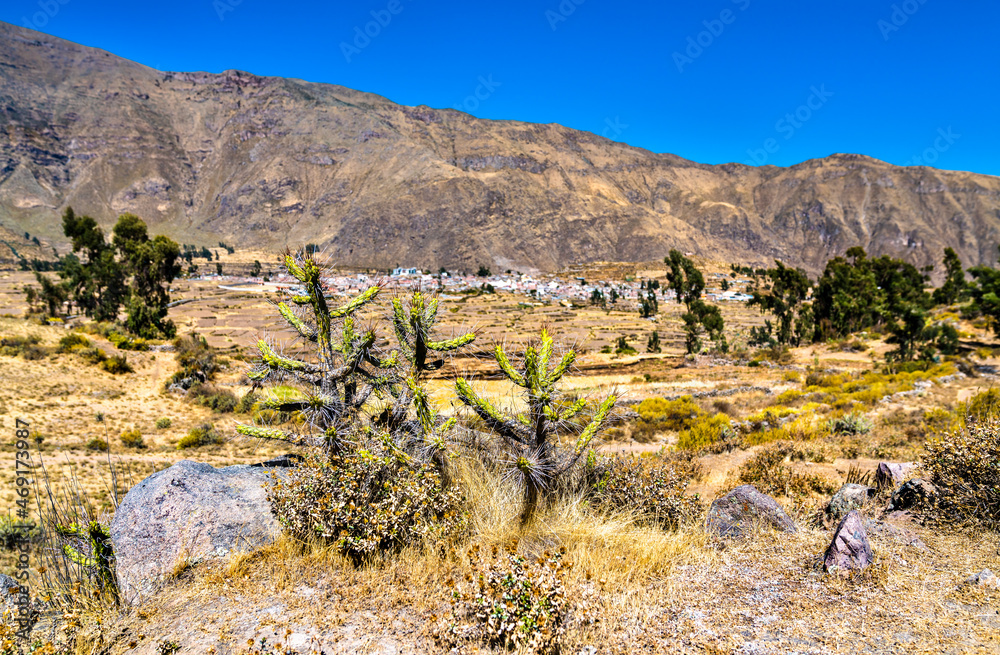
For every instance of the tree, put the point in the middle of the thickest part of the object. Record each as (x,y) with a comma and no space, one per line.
(255,269)
(653,345)
(483,271)
(687,282)
(218,268)
(151,265)
(955,288)
(787,290)
(52,294)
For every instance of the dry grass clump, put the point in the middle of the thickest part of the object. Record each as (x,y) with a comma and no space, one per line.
(768,472)
(27,347)
(132,438)
(653,489)
(964,466)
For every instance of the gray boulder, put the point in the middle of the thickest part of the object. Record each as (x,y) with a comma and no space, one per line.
(189,511)
(891,474)
(914,493)
(849,549)
(735,514)
(850,496)
(985,578)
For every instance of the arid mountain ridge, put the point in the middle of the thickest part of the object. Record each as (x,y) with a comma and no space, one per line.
(268,162)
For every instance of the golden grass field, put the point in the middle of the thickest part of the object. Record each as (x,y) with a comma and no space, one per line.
(651,591)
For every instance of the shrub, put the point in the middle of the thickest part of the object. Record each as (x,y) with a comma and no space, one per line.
(247,402)
(510,602)
(196,359)
(984,406)
(97,444)
(704,431)
(132,438)
(788,396)
(27,347)
(768,473)
(676,414)
(204,435)
(73,342)
(13,533)
(652,488)
(965,468)
(93,355)
(163,423)
(218,400)
(769,417)
(118,364)
(622,347)
(850,424)
(125,342)
(367,501)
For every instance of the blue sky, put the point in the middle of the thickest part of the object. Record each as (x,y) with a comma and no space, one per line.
(755,81)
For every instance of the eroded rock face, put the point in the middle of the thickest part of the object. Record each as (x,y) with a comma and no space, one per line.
(189,511)
(850,496)
(849,549)
(892,474)
(735,514)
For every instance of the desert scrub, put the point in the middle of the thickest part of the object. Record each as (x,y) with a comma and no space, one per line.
(659,414)
(850,424)
(132,438)
(964,466)
(368,500)
(125,342)
(216,399)
(651,488)
(97,444)
(768,472)
(984,406)
(117,365)
(704,432)
(28,347)
(204,435)
(196,359)
(163,423)
(72,343)
(510,602)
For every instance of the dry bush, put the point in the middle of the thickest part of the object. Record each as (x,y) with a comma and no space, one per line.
(28,347)
(965,467)
(659,414)
(132,438)
(73,342)
(652,489)
(705,432)
(216,399)
(768,472)
(117,365)
(368,501)
(850,424)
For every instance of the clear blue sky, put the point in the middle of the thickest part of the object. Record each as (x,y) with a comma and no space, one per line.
(912,82)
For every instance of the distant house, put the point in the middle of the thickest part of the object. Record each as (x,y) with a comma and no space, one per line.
(396,272)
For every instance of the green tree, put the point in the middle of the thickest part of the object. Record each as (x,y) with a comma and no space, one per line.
(687,282)
(955,288)
(150,265)
(653,344)
(787,290)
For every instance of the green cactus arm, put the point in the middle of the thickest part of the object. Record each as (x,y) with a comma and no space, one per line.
(399,323)
(356,303)
(257,375)
(504,362)
(276,361)
(422,404)
(488,413)
(562,367)
(573,410)
(262,432)
(71,530)
(589,432)
(301,300)
(78,557)
(451,344)
(532,376)
(279,405)
(544,352)
(430,313)
(296,322)
(294,269)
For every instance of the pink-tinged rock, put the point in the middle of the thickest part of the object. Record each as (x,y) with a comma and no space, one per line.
(849,549)
(735,514)
(892,474)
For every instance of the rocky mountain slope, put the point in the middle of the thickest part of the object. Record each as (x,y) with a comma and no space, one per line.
(261,161)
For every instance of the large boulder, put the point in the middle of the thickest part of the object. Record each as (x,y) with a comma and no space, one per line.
(850,496)
(735,514)
(914,493)
(892,474)
(849,549)
(190,511)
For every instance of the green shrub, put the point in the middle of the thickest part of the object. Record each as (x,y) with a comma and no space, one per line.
(92,355)
(196,359)
(984,406)
(367,501)
(125,342)
(676,414)
(218,400)
(204,435)
(247,402)
(132,438)
(964,466)
(704,431)
(97,444)
(622,347)
(73,342)
(28,347)
(649,487)
(163,423)
(13,533)
(850,424)
(510,602)
(118,364)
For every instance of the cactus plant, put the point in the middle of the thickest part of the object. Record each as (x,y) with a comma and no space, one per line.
(529,438)
(101,557)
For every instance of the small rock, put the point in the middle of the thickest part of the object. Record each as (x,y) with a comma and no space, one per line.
(891,474)
(850,496)
(189,511)
(985,578)
(734,514)
(850,548)
(914,493)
